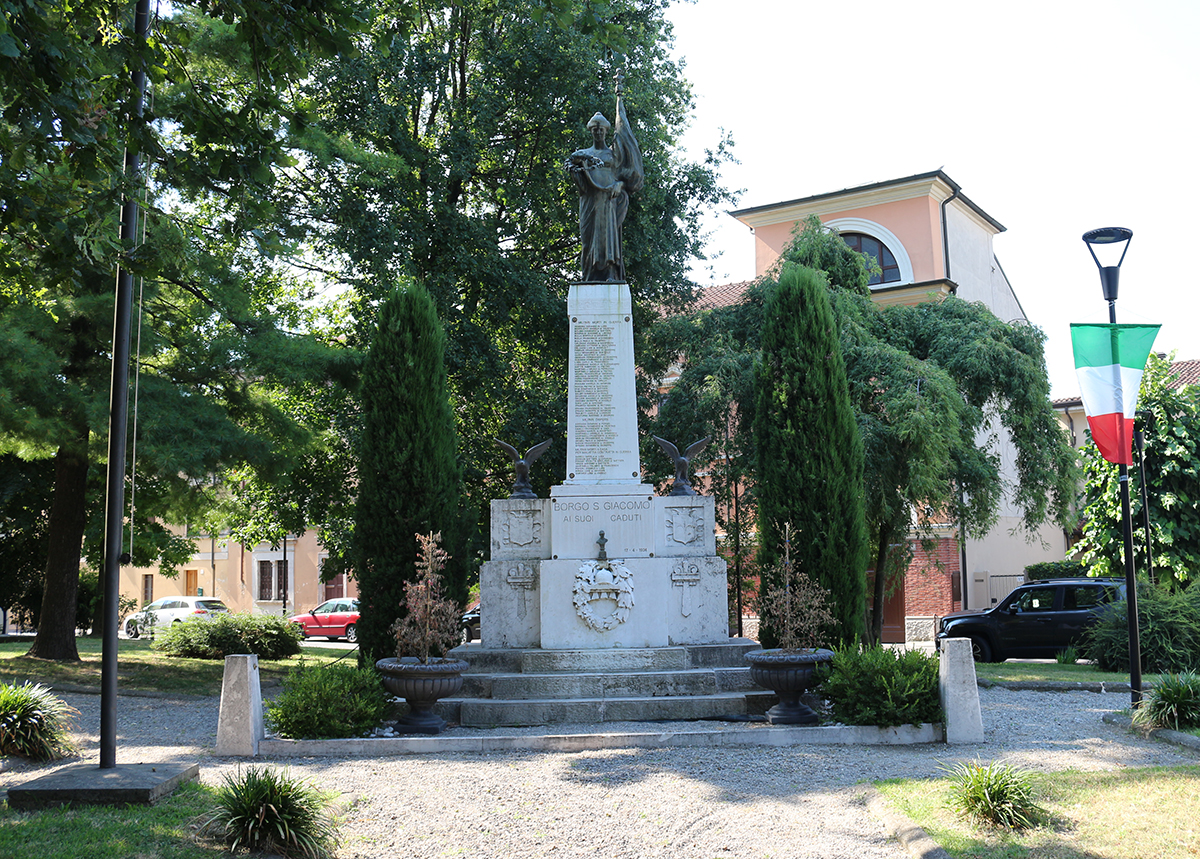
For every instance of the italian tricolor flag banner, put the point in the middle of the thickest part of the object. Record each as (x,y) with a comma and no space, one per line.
(1109,360)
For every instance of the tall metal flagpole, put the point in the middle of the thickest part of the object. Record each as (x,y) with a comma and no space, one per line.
(117,426)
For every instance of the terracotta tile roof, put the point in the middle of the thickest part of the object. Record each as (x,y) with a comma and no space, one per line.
(721,296)
(1186,373)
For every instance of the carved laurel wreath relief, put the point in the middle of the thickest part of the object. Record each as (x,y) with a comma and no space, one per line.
(603,580)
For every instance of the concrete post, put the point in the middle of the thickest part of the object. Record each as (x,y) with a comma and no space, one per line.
(240,723)
(960,692)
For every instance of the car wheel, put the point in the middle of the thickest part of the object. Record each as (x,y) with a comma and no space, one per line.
(131,629)
(464,637)
(351,633)
(980,649)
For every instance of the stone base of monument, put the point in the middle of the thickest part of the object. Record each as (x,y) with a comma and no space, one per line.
(535,686)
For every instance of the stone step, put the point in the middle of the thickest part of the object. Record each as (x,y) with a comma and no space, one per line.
(730,654)
(490,712)
(634,684)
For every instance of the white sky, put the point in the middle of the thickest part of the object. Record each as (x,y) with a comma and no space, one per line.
(1055,117)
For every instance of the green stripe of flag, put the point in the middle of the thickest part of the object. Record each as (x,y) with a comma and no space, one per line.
(1093,344)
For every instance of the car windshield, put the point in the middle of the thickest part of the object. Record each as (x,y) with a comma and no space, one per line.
(211,605)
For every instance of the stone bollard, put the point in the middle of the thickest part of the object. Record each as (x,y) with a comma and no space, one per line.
(960,692)
(240,723)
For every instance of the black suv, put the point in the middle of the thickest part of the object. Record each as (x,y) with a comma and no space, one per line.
(1038,619)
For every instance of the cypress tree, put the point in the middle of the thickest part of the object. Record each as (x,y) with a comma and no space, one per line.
(408,474)
(810,455)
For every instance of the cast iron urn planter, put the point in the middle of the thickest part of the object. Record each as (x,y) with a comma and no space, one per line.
(787,673)
(422,684)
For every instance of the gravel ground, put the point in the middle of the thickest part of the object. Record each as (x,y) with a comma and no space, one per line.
(685,803)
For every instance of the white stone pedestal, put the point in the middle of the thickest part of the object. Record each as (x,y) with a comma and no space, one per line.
(663,583)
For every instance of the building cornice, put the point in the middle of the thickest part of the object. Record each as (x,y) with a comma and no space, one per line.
(936,185)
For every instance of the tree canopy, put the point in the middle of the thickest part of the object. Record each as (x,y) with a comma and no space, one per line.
(213,319)
(936,389)
(301,160)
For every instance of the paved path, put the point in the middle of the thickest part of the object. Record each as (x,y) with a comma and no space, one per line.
(683,803)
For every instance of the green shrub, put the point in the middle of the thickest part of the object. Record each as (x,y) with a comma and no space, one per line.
(262,810)
(996,794)
(1169,630)
(34,723)
(1173,703)
(266,636)
(1055,570)
(879,686)
(331,701)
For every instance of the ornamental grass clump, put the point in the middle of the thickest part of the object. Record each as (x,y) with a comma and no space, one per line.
(1173,703)
(430,624)
(797,608)
(270,812)
(994,794)
(35,723)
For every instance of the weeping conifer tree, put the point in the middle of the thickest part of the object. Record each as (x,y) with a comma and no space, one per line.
(810,455)
(408,474)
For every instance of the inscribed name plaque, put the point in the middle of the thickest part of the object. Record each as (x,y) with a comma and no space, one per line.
(602,441)
(627,521)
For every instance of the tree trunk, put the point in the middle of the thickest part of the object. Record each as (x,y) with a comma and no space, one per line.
(68,514)
(881,551)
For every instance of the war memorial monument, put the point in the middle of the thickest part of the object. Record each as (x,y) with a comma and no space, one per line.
(609,593)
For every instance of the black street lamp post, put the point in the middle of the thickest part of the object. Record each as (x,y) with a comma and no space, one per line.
(1111,238)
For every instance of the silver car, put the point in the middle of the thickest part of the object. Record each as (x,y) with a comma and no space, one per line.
(170,610)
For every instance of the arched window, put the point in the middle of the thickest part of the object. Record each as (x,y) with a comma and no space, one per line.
(864,244)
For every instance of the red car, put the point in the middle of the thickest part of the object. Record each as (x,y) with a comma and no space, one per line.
(332,618)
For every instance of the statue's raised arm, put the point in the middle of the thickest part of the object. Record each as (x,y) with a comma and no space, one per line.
(605,177)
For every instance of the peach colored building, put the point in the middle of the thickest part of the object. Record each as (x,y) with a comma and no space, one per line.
(258,579)
(931,241)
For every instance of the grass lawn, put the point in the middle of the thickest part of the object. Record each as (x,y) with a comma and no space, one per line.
(1049,670)
(164,831)
(141,668)
(1126,814)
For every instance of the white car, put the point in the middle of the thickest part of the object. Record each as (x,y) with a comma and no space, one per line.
(170,610)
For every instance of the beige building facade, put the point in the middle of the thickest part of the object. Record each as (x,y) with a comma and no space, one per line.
(282,581)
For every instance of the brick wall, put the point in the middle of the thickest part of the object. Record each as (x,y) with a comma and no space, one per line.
(930,587)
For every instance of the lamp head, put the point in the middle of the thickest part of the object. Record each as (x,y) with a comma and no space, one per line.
(1107,237)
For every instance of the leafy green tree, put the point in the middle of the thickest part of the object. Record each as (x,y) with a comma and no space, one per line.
(1169,417)
(408,474)
(706,402)
(436,153)
(932,386)
(810,456)
(208,309)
